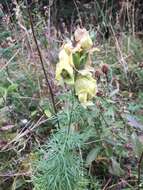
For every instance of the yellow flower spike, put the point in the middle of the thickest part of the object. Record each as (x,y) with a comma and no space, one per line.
(85,88)
(82,37)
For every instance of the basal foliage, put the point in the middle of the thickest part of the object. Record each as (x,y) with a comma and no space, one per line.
(60,167)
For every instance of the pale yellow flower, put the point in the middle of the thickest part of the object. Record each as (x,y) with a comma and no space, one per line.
(85,88)
(86,42)
(64,72)
(82,37)
(66,54)
(64,68)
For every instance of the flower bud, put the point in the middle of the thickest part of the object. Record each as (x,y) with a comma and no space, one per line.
(105,68)
(98,73)
(99,93)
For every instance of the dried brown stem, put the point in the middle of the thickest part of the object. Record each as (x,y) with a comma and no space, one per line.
(42,62)
(139,170)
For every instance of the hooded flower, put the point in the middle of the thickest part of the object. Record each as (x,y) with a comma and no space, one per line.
(64,68)
(85,87)
(82,37)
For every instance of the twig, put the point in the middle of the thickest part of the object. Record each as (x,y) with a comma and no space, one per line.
(42,62)
(139,170)
(9,61)
(79,16)
(15,174)
(120,183)
(122,61)
(106,185)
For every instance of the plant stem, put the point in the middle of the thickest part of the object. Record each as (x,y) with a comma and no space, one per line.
(139,170)
(42,62)
(70,119)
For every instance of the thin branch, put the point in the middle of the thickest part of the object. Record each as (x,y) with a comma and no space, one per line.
(42,62)
(15,174)
(9,61)
(106,185)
